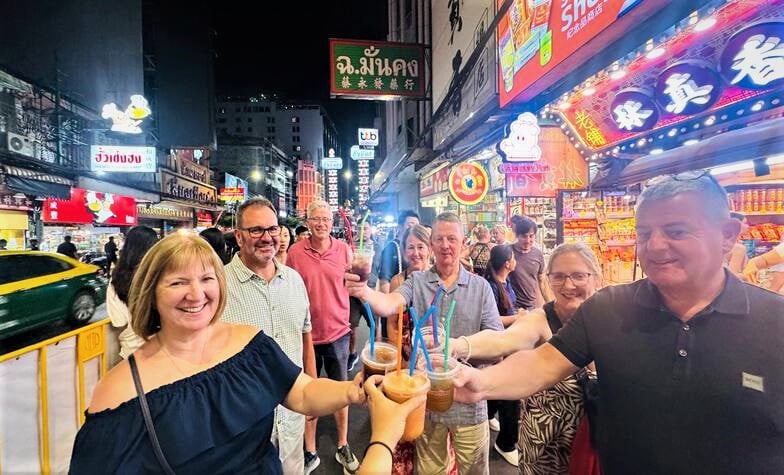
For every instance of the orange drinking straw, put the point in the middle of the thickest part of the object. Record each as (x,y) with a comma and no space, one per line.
(399,339)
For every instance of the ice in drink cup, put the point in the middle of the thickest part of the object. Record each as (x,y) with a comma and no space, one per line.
(362,263)
(385,359)
(427,336)
(400,387)
(442,390)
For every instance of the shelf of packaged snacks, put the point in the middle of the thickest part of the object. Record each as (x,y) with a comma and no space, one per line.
(614,243)
(762,214)
(577,218)
(619,216)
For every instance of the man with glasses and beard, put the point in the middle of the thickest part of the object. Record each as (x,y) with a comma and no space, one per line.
(691,374)
(321,260)
(265,293)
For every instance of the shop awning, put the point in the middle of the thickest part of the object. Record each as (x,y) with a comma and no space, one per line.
(37,183)
(755,141)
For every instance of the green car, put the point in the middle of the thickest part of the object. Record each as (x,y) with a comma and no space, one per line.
(37,288)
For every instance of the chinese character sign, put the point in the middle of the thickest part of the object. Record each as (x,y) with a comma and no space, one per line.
(376,68)
(708,71)
(634,110)
(688,87)
(754,56)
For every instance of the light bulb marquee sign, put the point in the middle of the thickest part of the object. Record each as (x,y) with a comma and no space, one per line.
(739,60)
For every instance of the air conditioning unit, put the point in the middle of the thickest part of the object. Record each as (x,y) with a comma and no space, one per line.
(21,145)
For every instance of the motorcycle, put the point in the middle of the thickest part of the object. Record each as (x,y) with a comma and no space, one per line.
(97,259)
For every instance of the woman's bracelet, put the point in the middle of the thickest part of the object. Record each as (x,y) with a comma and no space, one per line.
(378,442)
(468,347)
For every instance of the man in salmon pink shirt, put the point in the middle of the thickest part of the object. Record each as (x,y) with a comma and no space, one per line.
(322,260)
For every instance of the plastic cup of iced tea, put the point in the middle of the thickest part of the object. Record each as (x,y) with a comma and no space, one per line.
(442,390)
(400,387)
(385,359)
(362,263)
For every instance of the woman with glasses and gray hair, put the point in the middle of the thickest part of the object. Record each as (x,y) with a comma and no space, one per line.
(545,442)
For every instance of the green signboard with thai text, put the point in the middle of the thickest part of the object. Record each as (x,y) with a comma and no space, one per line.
(376,69)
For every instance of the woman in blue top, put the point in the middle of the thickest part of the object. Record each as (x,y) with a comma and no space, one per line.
(211,387)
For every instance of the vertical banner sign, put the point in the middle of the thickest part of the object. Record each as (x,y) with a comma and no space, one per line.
(363,181)
(332,189)
(458,27)
(376,69)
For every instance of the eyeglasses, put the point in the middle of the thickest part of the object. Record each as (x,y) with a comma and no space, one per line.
(320,220)
(578,278)
(258,231)
(684,176)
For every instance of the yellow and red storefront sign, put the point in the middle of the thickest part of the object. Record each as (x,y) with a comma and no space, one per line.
(236,193)
(468,183)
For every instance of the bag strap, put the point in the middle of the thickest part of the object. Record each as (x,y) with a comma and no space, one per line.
(399,257)
(156,446)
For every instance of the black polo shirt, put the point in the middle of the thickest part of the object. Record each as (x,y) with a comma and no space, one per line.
(705,396)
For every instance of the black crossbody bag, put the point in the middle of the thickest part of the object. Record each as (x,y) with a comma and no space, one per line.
(156,446)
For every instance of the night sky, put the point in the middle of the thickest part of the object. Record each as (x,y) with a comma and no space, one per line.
(256,50)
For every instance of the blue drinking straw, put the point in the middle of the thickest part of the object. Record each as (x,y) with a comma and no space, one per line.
(415,346)
(372,330)
(417,339)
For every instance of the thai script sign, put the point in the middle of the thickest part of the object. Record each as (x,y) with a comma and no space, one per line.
(358,153)
(160,211)
(115,158)
(232,194)
(193,170)
(376,69)
(182,188)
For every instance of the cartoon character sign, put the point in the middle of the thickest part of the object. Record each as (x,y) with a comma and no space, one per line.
(468,183)
(100,205)
(522,145)
(127,121)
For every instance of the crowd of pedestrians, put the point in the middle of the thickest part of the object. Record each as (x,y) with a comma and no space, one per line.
(678,370)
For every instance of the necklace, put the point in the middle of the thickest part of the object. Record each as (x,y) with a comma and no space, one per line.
(177,367)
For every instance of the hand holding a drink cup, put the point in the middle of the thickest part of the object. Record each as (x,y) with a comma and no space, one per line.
(388,418)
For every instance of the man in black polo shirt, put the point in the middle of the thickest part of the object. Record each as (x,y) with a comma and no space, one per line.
(691,371)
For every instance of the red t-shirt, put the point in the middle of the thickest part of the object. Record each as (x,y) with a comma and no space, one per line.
(323,276)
